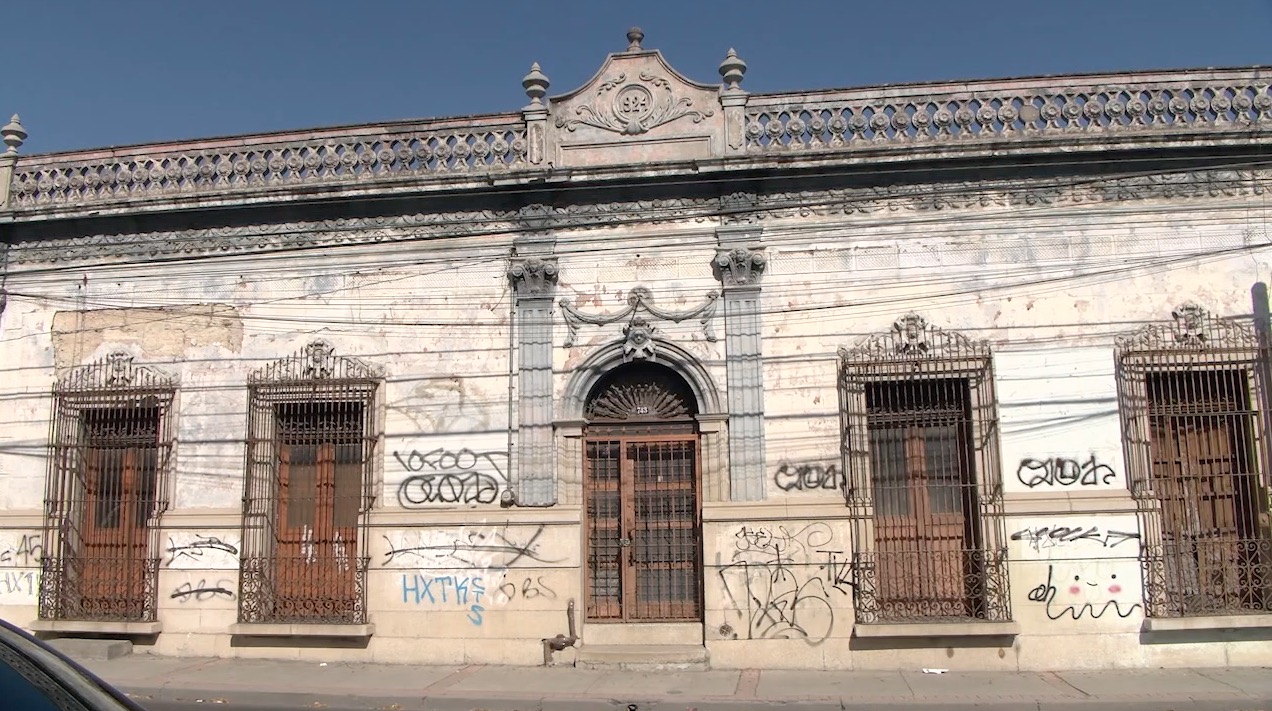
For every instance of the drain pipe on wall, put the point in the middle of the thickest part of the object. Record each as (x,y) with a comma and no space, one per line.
(560,642)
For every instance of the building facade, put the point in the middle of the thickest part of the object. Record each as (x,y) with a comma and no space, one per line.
(967,375)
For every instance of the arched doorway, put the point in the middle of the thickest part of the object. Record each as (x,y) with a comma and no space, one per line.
(641,491)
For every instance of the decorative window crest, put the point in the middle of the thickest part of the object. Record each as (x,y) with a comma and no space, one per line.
(632,108)
(913,338)
(640,300)
(533,276)
(740,266)
(116,370)
(1193,327)
(316,362)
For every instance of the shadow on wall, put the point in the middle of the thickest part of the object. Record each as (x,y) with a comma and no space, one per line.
(253,641)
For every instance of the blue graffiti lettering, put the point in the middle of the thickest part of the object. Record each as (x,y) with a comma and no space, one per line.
(444,591)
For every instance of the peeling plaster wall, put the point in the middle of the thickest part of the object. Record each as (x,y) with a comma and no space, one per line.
(1049,288)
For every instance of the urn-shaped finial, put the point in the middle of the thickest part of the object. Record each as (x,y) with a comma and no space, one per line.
(13,134)
(536,84)
(634,37)
(732,69)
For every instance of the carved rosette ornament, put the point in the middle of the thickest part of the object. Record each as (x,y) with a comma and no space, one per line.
(633,107)
(533,276)
(740,266)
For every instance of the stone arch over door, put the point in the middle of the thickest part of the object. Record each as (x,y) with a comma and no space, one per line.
(642,500)
(711,417)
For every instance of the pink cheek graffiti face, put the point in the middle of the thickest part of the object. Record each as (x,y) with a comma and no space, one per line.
(1076,589)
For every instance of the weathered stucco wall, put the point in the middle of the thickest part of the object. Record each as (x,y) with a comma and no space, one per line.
(477,582)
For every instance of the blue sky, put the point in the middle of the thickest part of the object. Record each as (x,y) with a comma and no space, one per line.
(97,73)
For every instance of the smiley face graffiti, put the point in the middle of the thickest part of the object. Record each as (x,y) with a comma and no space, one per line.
(1088,596)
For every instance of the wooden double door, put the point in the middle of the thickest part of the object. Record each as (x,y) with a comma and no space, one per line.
(111,578)
(644,560)
(320,465)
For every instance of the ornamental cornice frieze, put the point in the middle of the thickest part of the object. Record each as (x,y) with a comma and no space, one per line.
(794,205)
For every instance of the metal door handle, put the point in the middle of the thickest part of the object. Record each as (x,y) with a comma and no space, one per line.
(624,542)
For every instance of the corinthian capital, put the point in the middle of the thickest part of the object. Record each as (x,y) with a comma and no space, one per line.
(740,266)
(533,276)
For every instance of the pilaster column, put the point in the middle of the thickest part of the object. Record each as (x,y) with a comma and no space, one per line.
(534,284)
(739,264)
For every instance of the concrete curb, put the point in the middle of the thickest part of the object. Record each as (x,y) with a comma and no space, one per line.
(486,701)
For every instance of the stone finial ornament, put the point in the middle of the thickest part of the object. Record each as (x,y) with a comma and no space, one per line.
(13,134)
(634,37)
(536,85)
(732,69)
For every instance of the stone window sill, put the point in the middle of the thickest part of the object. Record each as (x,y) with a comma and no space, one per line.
(882,630)
(266,629)
(96,627)
(1209,622)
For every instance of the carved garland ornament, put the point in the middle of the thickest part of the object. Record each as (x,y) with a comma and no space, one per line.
(638,334)
(633,109)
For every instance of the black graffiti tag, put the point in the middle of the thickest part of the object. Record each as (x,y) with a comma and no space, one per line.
(1059,471)
(529,590)
(807,477)
(26,553)
(202,591)
(465,550)
(445,477)
(779,581)
(1053,536)
(195,548)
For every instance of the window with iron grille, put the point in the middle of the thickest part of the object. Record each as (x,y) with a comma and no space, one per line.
(920,440)
(312,438)
(110,448)
(1191,429)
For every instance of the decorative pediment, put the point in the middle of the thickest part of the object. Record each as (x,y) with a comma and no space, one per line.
(316,362)
(912,338)
(638,109)
(116,371)
(1192,327)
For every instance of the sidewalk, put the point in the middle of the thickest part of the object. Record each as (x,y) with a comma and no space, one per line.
(292,684)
